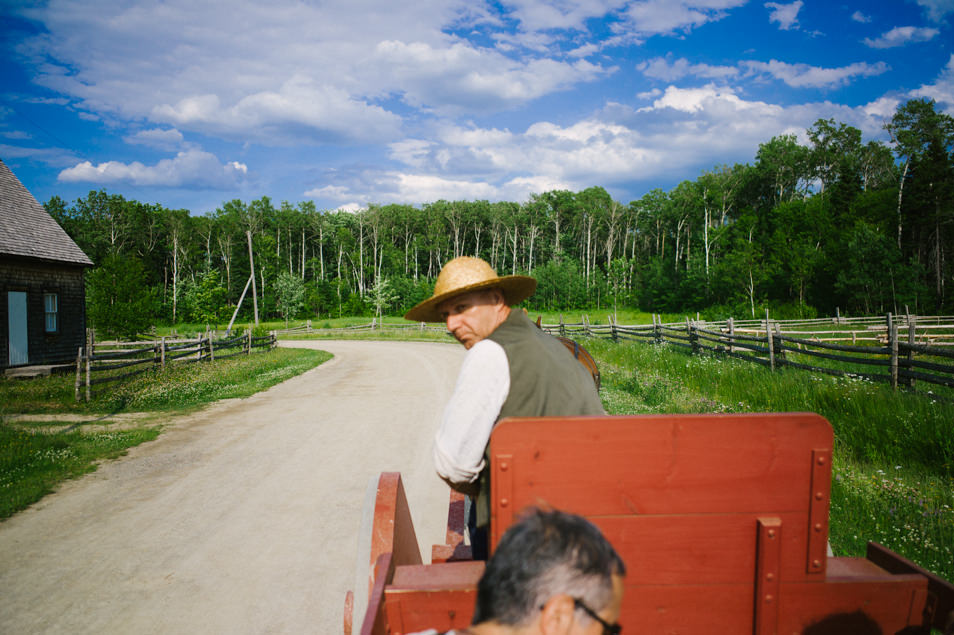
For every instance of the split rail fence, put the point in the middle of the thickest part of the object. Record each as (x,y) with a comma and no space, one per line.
(97,367)
(899,350)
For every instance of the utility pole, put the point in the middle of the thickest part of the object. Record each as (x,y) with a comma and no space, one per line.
(251,261)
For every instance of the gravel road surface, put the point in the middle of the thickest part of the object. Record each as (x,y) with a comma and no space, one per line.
(242,518)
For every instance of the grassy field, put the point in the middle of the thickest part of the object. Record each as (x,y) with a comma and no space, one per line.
(36,456)
(893,468)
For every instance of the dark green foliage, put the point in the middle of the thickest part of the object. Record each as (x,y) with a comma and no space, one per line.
(119,302)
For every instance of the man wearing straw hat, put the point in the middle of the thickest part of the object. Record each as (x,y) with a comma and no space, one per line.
(511,369)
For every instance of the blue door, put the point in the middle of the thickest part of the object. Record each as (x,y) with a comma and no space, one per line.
(17,322)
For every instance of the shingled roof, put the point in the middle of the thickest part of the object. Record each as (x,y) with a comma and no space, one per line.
(26,229)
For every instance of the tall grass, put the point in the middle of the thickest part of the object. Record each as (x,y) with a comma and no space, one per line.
(893,464)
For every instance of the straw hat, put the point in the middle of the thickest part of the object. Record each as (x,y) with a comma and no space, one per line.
(466,274)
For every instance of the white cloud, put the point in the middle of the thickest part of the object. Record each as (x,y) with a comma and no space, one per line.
(166,139)
(942,90)
(657,17)
(858,16)
(662,68)
(901,35)
(463,77)
(542,15)
(805,76)
(785,14)
(189,169)
(937,9)
(291,71)
(297,112)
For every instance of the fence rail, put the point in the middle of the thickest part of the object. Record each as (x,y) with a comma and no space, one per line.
(101,357)
(886,347)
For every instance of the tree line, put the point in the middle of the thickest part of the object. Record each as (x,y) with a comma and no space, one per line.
(806,228)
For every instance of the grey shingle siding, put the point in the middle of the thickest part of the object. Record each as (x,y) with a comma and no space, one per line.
(26,229)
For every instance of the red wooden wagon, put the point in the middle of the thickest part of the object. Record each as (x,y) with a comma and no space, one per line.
(722,521)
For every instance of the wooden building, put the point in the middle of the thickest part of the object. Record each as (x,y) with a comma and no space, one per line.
(42,292)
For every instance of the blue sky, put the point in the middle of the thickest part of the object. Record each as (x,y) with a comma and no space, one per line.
(190,104)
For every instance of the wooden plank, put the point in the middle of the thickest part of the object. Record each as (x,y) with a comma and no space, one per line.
(820,498)
(687,609)
(701,548)
(892,601)
(941,592)
(392,530)
(412,611)
(767,576)
(375,618)
(686,463)
(449,576)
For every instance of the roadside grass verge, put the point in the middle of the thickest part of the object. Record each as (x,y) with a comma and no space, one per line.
(33,463)
(36,456)
(893,467)
(177,387)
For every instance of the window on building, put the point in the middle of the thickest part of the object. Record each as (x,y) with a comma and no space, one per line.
(51,306)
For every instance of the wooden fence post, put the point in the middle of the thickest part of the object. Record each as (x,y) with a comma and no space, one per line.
(731,333)
(562,327)
(912,340)
(615,335)
(79,362)
(778,333)
(162,353)
(248,341)
(90,343)
(893,344)
(770,340)
(657,331)
(211,349)
(692,340)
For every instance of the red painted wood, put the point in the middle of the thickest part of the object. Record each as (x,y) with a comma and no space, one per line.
(700,548)
(348,617)
(941,592)
(767,575)
(502,495)
(443,577)
(392,530)
(411,611)
(687,609)
(818,514)
(603,466)
(375,618)
(689,502)
(890,600)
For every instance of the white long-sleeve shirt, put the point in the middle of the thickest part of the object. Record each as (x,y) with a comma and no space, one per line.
(469,417)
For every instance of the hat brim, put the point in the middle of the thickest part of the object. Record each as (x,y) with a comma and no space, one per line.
(516,289)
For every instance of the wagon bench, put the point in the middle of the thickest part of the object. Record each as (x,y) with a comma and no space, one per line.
(722,521)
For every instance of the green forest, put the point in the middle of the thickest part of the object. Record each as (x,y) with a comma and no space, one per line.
(835,223)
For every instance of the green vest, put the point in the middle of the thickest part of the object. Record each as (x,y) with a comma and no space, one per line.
(545,380)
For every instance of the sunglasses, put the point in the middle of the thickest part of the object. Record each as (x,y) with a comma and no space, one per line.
(608,629)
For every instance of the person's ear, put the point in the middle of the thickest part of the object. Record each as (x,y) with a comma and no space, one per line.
(556,617)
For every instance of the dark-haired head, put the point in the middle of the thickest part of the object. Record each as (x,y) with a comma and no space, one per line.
(547,554)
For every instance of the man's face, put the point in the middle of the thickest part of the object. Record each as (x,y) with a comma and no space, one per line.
(473,316)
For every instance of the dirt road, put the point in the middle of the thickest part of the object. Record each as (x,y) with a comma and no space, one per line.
(243,518)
